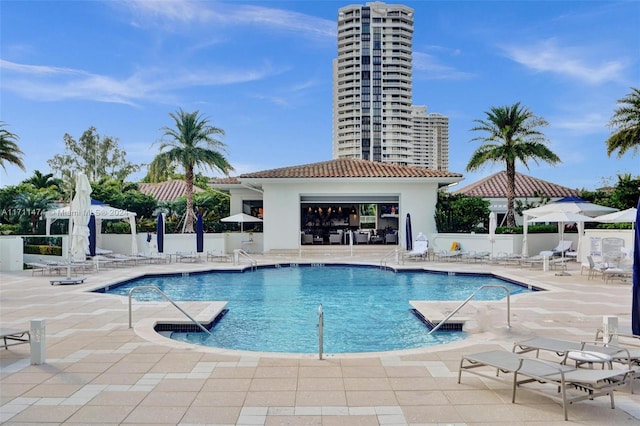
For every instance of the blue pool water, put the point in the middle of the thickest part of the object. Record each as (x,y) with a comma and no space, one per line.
(276,309)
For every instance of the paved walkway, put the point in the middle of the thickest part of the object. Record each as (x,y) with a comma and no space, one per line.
(99,371)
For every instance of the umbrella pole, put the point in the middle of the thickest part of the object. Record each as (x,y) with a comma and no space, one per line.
(564,264)
(69,247)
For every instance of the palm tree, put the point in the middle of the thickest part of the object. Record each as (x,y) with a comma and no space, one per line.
(626,125)
(511,134)
(192,143)
(9,150)
(44,181)
(35,204)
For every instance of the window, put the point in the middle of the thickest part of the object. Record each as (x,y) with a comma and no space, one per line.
(253,208)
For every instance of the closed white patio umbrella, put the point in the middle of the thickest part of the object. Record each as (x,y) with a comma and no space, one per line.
(80,214)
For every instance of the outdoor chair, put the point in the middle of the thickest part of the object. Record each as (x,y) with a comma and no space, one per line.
(562,247)
(307,238)
(587,383)
(362,237)
(565,348)
(335,238)
(13,337)
(593,269)
(217,256)
(182,257)
(123,259)
(420,248)
(476,256)
(48,268)
(391,238)
(454,253)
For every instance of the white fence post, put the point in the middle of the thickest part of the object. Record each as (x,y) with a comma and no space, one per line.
(37,341)
(610,329)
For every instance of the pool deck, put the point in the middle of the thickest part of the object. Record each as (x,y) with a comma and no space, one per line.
(100,371)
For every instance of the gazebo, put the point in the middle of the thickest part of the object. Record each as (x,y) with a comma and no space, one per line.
(101,212)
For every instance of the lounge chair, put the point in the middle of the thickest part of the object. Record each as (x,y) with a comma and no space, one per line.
(123,259)
(217,256)
(562,247)
(570,350)
(420,248)
(564,378)
(476,256)
(182,256)
(103,262)
(453,253)
(508,258)
(13,337)
(623,274)
(156,258)
(50,268)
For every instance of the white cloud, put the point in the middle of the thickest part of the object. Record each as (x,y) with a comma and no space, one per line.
(229,14)
(588,123)
(173,10)
(55,83)
(430,67)
(573,62)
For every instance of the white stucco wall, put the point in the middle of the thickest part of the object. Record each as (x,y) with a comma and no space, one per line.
(281,202)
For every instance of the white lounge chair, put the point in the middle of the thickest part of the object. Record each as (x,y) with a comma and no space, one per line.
(453,253)
(562,247)
(50,268)
(218,256)
(564,348)
(476,256)
(182,256)
(420,248)
(13,337)
(589,383)
(123,259)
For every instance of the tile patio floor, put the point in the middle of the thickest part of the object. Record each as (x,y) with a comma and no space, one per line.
(99,371)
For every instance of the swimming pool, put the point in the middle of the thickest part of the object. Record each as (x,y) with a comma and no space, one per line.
(275,309)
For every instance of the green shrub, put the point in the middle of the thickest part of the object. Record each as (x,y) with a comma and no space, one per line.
(6,229)
(43,250)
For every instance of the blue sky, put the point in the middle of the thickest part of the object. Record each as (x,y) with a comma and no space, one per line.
(261,71)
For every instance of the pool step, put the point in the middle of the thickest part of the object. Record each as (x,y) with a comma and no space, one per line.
(451,325)
(432,313)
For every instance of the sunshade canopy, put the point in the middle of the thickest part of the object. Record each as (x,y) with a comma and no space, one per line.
(241,218)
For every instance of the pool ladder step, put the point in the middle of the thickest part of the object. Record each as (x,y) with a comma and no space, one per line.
(168,299)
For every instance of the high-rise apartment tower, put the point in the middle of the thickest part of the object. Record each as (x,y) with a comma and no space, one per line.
(430,139)
(373,115)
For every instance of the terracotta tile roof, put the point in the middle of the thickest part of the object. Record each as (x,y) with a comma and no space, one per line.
(526,186)
(350,168)
(167,191)
(225,181)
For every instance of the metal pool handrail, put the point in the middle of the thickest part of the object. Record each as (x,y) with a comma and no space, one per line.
(320,331)
(156,289)
(441,323)
(393,253)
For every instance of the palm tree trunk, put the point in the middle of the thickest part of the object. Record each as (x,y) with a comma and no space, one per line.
(188,218)
(511,193)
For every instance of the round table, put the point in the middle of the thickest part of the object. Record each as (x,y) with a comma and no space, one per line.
(590,357)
